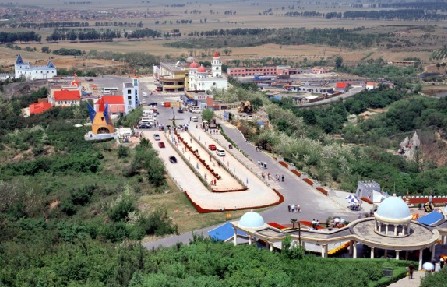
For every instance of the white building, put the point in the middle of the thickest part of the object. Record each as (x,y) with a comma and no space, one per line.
(202,80)
(29,72)
(130,95)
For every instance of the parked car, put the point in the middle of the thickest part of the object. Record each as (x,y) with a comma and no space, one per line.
(173,159)
(144,126)
(212,147)
(180,111)
(157,137)
(194,119)
(161,144)
(220,152)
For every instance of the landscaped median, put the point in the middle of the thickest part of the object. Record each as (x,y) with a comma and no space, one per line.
(202,197)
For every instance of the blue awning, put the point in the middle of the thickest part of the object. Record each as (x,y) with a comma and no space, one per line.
(431,219)
(224,232)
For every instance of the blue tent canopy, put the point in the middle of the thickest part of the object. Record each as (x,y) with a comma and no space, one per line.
(431,219)
(224,232)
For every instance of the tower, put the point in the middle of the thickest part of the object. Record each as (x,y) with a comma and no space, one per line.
(216,65)
(130,95)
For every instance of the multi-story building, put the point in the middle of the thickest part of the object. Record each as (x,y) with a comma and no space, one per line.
(281,70)
(29,72)
(202,80)
(190,76)
(65,97)
(172,76)
(131,93)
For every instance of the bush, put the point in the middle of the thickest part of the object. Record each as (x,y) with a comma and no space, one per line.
(120,211)
(123,151)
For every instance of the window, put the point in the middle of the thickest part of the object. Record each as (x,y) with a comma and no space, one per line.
(129,97)
(129,91)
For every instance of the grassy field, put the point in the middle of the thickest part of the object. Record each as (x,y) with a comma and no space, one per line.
(182,212)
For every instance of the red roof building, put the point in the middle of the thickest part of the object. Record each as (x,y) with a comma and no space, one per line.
(342,86)
(65,97)
(115,104)
(39,108)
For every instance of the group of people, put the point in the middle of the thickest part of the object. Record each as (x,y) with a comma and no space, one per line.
(294,208)
(277,177)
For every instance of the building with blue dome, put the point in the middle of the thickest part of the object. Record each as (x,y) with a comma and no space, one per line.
(393,218)
(252,220)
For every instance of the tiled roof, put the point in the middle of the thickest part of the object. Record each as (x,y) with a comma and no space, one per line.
(67,95)
(113,100)
(342,85)
(39,108)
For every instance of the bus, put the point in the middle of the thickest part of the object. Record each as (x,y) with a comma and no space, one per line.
(109,90)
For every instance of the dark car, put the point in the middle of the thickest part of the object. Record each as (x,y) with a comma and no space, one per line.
(161,144)
(144,126)
(180,111)
(173,159)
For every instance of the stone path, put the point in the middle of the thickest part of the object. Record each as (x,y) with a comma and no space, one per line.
(407,282)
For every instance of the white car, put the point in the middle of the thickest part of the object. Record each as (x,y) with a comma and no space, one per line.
(220,152)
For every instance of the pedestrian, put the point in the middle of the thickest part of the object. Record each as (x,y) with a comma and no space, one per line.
(289,208)
(410,270)
(263,176)
(268,176)
(298,208)
(282,178)
(317,223)
(313,223)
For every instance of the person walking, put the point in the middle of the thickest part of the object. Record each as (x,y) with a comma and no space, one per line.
(282,178)
(410,271)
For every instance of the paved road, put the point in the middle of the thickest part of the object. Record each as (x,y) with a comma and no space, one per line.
(313,204)
(343,96)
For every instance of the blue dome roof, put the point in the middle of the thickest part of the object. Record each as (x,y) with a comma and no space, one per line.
(252,220)
(393,208)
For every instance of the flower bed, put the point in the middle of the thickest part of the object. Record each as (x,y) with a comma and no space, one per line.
(308,181)
(322,190)
(296,172)
(366,199)
(284,164)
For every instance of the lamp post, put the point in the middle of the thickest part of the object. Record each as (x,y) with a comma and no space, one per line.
(293,221)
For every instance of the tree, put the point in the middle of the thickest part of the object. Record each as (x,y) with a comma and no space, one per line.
(207,114)
(338,62)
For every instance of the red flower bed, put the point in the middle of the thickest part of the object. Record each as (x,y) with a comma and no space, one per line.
(284,164)
(365,199)
(277,225)
(296,172)
(322,190)
(308,181)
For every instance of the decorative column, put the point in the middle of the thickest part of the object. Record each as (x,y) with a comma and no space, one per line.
(397,254)
(324,250)
(395,229)
(420,259)
(249,239)
(386,228)
(444,239)
(303,244)
(380,227)
(235,236)
(372,252)
(271,246)
(432,249)
(385,253)
(354,249)
(351,246)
